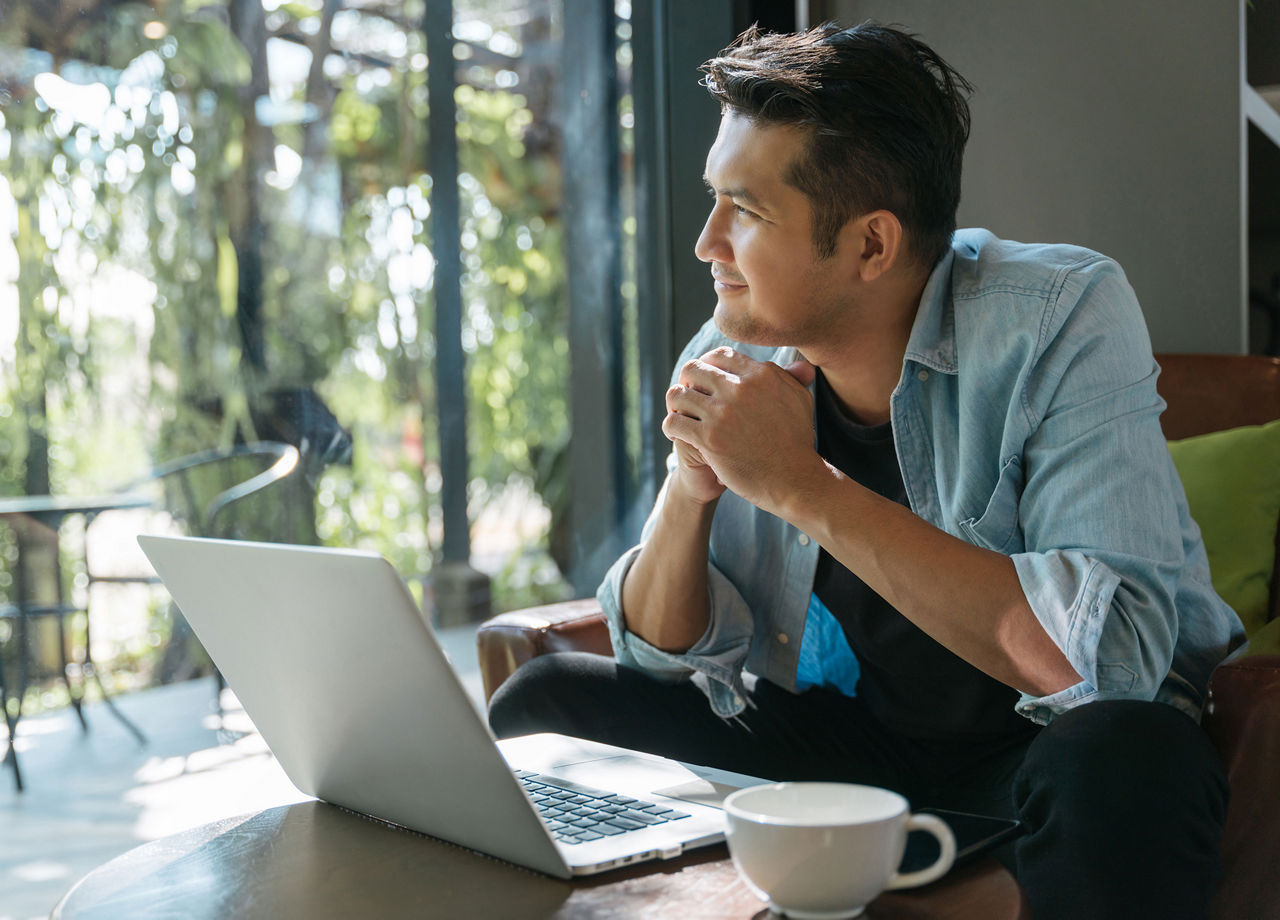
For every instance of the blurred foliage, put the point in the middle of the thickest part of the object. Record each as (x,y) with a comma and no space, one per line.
(135,162)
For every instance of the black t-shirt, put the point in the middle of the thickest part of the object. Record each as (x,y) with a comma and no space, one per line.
(911,683)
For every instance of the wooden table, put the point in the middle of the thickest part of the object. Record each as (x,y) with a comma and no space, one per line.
(318,861)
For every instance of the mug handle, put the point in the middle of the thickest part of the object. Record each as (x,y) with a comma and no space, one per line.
(946,840)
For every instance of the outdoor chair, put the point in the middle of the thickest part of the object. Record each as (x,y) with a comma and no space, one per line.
(201,494)
(1231,472)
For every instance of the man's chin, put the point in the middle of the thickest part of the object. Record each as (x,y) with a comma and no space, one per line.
(745,329)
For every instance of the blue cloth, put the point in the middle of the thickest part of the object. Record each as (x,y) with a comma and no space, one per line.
(1026,421)
(825,657)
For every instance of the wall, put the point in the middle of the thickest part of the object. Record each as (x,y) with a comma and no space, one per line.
(1113,125)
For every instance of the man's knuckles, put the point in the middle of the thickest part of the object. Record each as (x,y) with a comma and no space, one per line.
(727,360)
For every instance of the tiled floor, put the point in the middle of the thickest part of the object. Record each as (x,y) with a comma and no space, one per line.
(91,796)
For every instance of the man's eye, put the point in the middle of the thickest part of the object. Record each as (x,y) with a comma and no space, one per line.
(744,212)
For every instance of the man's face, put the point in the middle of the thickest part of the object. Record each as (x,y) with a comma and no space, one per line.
(772,287)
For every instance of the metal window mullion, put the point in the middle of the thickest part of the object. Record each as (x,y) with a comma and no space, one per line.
(653,238)
(446,245)
(597,447)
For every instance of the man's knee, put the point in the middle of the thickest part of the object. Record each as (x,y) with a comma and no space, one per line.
(1126,800)
(1150,749)
(550,693)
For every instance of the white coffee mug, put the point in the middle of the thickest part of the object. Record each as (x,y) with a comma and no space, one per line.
(822,851)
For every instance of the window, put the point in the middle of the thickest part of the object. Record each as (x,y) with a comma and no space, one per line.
(216,225)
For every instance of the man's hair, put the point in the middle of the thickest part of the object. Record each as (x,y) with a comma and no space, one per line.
(887,120)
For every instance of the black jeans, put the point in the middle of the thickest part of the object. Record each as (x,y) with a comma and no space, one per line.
(1123,801)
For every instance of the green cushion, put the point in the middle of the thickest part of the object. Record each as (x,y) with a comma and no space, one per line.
(1232,480)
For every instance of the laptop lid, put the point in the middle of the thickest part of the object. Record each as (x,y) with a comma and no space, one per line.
(332,660)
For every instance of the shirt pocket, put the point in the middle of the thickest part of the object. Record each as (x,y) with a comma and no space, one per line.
(997,527)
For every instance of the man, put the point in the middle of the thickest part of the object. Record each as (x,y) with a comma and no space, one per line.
(920,527)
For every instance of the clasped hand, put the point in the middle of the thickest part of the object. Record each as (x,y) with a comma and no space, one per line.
(741,424)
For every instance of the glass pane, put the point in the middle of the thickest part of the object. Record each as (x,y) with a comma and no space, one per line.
(215,228)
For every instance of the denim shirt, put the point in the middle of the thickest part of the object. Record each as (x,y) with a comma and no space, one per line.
(1026,421)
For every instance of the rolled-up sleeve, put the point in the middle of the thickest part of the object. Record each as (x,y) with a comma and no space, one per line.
(719,653)
(1099,507)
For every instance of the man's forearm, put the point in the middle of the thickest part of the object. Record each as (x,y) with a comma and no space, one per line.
(967,598)
(664,594)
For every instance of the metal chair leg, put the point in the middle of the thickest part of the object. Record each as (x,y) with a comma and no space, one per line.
(11,724)
(115,711)
(88,668)
(11,757)
(77,702)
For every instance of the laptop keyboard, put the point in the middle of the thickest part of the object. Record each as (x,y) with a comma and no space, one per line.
(579,815)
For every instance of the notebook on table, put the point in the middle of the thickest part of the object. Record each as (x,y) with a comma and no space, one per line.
(344,678)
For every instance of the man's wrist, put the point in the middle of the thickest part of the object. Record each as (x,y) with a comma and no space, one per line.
(681,492)
(810,496)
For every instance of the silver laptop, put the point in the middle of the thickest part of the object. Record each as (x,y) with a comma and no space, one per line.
(336,666)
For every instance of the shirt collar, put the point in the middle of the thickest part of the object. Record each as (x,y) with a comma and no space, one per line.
(933,334)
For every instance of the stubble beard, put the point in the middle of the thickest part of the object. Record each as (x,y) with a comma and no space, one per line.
(745,328)
(742,326)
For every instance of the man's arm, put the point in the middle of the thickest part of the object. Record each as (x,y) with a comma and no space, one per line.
(664,595)
(967,598)
(742,416)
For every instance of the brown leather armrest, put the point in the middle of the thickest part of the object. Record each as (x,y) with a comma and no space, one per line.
(510,639)
(1246,678)
(1242,718)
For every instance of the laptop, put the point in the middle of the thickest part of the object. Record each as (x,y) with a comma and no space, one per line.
(337,668)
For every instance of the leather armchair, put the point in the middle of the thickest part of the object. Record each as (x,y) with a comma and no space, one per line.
(1242,715)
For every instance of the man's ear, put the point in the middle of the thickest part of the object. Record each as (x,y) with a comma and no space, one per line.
(877,240)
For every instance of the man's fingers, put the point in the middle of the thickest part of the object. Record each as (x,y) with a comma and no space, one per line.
(719,364)
(688,452)
(727,359)
(699,375)
(687,401)
(803,371)
(679,427)
(724,363)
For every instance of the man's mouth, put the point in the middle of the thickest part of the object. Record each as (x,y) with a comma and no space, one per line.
(724,280)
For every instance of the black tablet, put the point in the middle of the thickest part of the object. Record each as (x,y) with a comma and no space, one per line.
(975,834)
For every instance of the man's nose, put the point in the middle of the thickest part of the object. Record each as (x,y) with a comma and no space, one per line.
(713,243)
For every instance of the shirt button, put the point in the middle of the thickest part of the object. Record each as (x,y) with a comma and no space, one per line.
(783,638)
(803,539)
(922,376)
